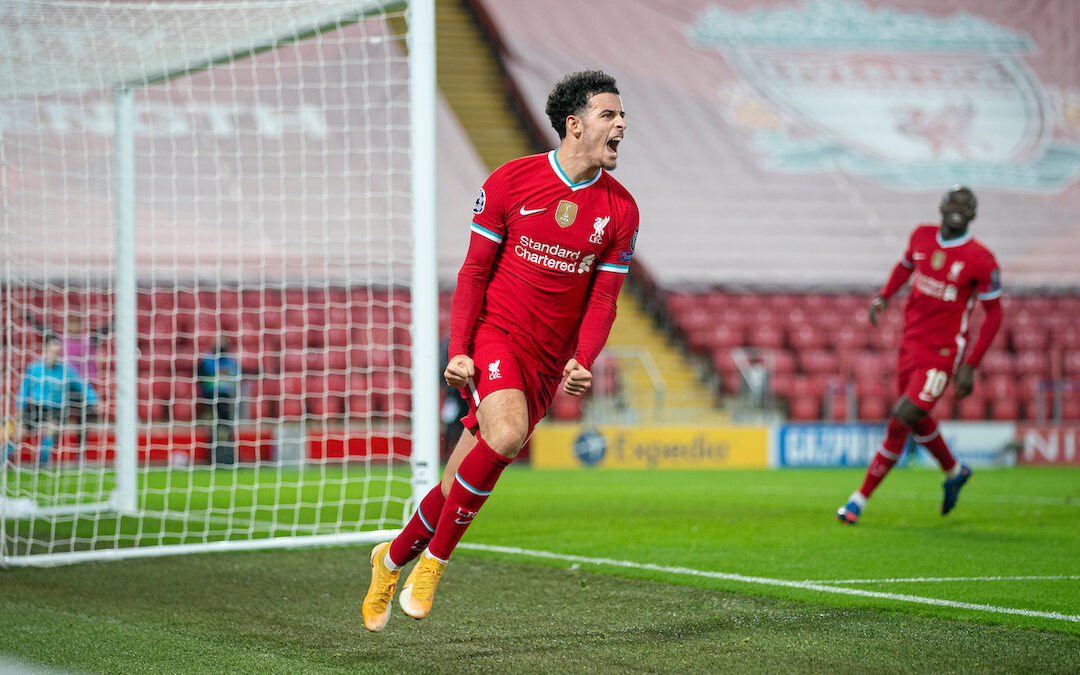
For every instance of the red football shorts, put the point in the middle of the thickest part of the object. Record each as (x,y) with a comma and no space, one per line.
(499,365)
(923,379)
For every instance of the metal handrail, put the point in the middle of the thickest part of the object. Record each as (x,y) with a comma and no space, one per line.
(656,378)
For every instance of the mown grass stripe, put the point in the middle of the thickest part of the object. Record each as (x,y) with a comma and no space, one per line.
(806,585)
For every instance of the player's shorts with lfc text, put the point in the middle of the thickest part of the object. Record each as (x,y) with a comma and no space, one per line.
(923,377)
(500,365)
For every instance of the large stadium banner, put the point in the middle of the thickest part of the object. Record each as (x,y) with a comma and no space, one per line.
(1048,443)
(837,121)
(905,98)
(674,447)
(977,443)
(840,444)
(826,444)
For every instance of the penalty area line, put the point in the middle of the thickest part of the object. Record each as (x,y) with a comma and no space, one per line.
(766,581)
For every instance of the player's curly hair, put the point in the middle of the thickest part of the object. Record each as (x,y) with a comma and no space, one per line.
(571,94)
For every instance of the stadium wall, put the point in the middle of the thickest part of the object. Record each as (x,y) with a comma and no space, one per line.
(785,445)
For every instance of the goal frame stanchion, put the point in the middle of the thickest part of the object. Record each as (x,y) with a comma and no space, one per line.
(425,292)
(125,499)
(424,458)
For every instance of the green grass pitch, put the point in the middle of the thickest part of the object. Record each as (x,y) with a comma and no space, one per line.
(604,571)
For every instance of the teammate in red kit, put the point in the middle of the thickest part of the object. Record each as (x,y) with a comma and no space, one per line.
(552,237)
(949,269)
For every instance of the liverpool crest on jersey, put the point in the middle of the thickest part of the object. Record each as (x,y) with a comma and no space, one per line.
(566,213)
(598,230)
(937,260)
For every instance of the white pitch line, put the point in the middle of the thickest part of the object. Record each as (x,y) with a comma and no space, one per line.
(1033,500)
(905,580)
(766,581)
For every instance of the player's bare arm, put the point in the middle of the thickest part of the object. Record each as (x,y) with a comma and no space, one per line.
(459,370)
(578,378)
(877,305)
(965,381)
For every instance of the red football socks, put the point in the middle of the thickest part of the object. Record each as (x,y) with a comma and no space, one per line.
(887,455)
(927,433)
(417,532)
(473,484)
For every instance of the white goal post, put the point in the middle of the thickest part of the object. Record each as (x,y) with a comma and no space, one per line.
(224,215)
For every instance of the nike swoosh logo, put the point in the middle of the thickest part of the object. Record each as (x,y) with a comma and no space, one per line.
(528,212)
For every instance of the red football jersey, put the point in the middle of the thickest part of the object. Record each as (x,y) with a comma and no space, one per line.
(947,278)
(553,237)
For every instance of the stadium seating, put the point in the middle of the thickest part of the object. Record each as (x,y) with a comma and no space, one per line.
(341,353)
(818,339)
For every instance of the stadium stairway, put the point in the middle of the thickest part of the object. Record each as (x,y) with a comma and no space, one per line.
(656,383)
(472,81)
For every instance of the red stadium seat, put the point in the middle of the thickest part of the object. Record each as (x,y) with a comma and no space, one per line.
(1070,364)
(359,405)
(805,337)
(315,361)
(873,408)
(972,407)
(873,388)
(868,365)
(605,375)
(747,302)
(183,411)
(781,360)
(292,362)
(400,406)
(315,337)
(338,336)
(359,357)
(1033,363)
(724,335)
(944,408)
(804,408)
(293,338)
(998,362)
(765,335)
(1004,409)
(337,359)
(697,340)
(566,408)
(1066,338)
(715,301)
(696,318)
(783,303)
(1029,338)
(337,384)
(815,361)
(847,337)
(782,385)
(998,387)
(805,386)
(1070,406)
(794,317)
(837,404)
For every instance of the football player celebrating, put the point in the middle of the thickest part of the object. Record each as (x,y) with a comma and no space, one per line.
(950,269)
(552,237)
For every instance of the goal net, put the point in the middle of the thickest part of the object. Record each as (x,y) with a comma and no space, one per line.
(217,275)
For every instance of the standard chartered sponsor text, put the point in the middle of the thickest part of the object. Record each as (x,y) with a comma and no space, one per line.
(551,256)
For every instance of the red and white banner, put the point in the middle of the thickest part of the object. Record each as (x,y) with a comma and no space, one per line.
(797,142)
(1049,444)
